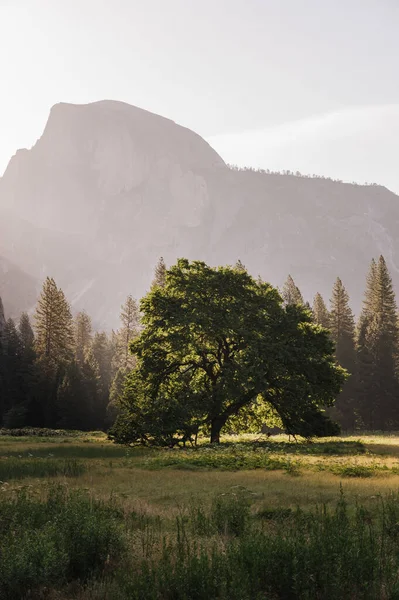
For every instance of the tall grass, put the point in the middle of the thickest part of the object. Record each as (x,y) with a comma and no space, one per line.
(22,468)
(46,543)
(224,551)
(319,555)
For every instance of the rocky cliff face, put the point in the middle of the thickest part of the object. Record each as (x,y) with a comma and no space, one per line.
(108,188)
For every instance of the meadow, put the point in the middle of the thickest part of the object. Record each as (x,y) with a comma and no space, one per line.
(256,518)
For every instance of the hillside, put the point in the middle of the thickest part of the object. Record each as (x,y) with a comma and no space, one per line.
(108,188)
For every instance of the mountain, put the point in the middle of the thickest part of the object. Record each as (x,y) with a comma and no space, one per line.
(108,188)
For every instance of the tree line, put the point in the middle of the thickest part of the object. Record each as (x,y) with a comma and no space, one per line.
(368,349)
(55,371)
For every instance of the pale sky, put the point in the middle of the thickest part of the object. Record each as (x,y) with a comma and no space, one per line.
(311,85)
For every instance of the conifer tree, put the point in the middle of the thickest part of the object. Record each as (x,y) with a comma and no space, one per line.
(22,414)
(368,301)
(101,351)
(2,317)
(53,323)
(378,350)
(159,274)
(26,333)
(72,402)
(321,315)
(291,293)
(12,351)
(342,327)
(82,335)
(130,319)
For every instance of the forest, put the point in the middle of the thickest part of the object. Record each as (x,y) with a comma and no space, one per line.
(56,372)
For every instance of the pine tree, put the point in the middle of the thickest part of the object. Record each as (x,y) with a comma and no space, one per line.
(159,274)
(74,411)
(12,351)
(2,317)
(291,293)
(321,315)
(26,333)
(22,415)
(54,331)
(368,301)
(130,319)
(82,335)
(101,351)
(342,327)
(378,351)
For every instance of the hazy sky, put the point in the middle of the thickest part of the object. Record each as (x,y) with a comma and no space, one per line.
(300,84)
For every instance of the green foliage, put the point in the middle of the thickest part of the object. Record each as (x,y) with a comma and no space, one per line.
(343,552)
(290,293)
(214,341)
(130,321)
(320,313)
(82,336)
(342,328)
(377,352)
(53,324)
(66,537)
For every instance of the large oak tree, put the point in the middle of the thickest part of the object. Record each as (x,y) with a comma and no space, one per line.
(214,341)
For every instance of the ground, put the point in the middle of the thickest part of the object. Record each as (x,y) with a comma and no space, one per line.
(294,474)
(229,522)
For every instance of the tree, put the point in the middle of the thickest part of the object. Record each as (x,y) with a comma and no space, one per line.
(159,274)
(74,410)
(239,266)
(12,351)
(342,324)
(26,334)
(342,327)
(130,319)
(291,293)
(378,350)
(321,315)
(215,341)
(53,324)
(82,335)
(2,317)
(101,356)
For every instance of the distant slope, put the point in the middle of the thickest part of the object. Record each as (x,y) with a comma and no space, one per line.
(108,188)
(17,290)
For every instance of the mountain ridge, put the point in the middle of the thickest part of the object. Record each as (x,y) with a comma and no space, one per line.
(108,188)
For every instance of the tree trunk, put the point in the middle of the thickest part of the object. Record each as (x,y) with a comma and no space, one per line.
(216,426)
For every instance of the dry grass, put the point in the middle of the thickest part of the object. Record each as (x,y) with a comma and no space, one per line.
(116,470)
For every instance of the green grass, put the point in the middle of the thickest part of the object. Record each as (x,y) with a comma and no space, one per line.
(21,468)
(252,518)
(66,536)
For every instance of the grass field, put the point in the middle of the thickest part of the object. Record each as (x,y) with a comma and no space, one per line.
(185,524)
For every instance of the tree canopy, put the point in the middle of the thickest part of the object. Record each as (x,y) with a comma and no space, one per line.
(214,342)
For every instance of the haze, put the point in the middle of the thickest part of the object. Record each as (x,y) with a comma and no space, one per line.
(303,85)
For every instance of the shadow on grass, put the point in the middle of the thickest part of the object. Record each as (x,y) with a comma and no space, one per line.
(322,448)
(22,468)
(84,451)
